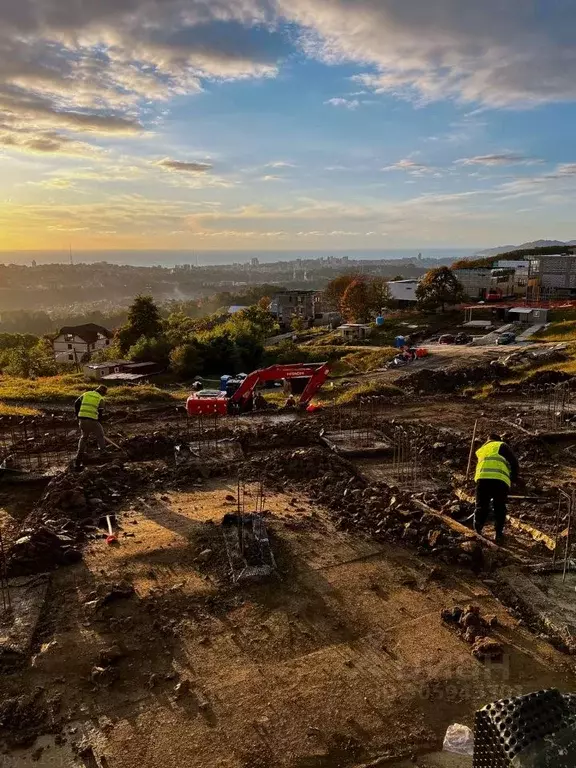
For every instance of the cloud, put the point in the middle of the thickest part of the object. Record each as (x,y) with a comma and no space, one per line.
(42,142)
(409,166)
(562,178)
(492,52)
(346,103)
(503,158)
(271,177)
(184,167)
(280,164)
(101,68)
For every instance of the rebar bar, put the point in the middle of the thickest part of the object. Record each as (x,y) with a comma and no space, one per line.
(572,499)
(557,527)
(4,585)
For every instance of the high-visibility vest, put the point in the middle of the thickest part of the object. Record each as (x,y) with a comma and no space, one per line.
(492,466)
(89,406)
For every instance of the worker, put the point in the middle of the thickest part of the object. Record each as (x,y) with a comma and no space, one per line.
(496,470)
(290,402)
(259,402)
(89,410)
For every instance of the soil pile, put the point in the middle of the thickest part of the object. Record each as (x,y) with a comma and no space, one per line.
(145,447)
(302,432)
(73,506)
(536,381)
(450,380)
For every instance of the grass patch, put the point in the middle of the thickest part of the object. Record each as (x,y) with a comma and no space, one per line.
(17,410)
(364,360)
(561,331)
(66,388)
(367,389)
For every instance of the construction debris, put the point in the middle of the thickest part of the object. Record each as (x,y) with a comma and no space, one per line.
(475,630)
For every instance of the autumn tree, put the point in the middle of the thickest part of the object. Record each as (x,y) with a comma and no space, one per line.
(438,288)
(364,298)
(335,290)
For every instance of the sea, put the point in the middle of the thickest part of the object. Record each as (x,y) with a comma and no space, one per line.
(144,258)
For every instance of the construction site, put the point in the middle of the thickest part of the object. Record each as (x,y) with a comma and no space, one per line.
(288,589)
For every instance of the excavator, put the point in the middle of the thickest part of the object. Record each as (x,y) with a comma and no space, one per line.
(305,379)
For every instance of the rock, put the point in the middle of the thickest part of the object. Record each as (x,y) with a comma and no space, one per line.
(204,556)
(230,497)
(452,615)
(487,648)
(104,676)
(111,655)
(182,688)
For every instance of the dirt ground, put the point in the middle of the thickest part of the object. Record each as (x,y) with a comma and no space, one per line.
(339,659)
(147,655)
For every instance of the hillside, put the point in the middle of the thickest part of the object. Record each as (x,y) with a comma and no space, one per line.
(534,244)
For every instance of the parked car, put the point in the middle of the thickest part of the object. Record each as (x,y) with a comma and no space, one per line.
(447,338)
(506,338)
(463,338)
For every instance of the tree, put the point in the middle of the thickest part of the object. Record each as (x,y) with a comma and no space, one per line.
(298,324)
(335,290)
(187,360)
(364,298)
(437,288)
(143,320)
(154,350)
(31,362)
(178,328)
(261,323)
(398,277)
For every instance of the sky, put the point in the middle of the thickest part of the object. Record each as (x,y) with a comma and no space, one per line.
(286,124)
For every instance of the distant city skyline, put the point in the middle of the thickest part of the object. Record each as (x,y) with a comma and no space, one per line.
(142,257)
(285,125)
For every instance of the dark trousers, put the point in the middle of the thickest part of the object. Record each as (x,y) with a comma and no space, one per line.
(495,491)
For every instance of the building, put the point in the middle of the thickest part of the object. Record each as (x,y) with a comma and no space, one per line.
(289,304)
(528,315)
(403,292)
(552,276)
(99,370)
(355,331)
(121,370)
(74,342)
(476,282)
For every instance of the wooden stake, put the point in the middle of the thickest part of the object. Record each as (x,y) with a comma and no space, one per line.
(471,449)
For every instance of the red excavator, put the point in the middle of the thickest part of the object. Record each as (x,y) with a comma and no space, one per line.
(305,379)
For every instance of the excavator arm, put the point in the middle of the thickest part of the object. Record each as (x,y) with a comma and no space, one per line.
(315,372)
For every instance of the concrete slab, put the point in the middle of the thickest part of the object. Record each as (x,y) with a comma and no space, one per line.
(546,599)
(378,471)
(18,624)
(436,760)
(347,443)
(214,452)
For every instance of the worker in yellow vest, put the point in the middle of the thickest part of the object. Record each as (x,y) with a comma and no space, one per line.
(89,409)
(496,470)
